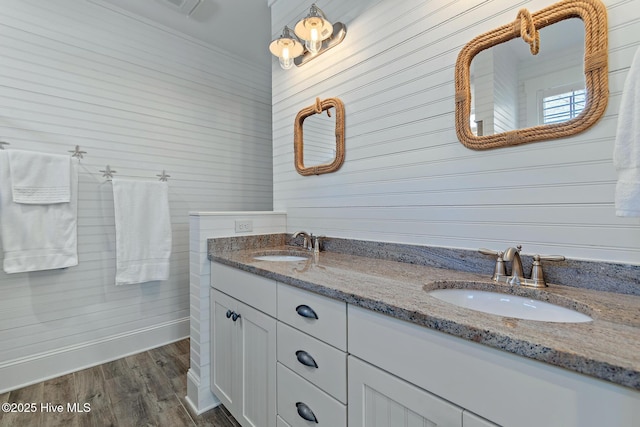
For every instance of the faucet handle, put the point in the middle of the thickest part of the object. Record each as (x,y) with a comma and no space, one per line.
(499,270)
(549,257)
(487,251)
(317,241)
(537,275)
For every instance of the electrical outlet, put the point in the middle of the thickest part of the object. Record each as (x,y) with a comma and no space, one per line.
(244,225)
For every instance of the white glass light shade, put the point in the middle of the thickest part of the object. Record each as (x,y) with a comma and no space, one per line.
(286,49)
(314,44)
(285,62)
(314,29)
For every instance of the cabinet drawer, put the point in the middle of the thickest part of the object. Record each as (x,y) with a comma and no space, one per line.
(328,368)
(294,392)
(319,316)
(256,291)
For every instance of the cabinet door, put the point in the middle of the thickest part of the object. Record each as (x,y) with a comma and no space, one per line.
(257,366)
(379,399)
(225,382)
(243,360)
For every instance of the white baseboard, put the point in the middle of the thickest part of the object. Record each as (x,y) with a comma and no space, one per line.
(199,397)
(25,371)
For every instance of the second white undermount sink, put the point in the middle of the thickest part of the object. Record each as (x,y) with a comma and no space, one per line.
(509,305)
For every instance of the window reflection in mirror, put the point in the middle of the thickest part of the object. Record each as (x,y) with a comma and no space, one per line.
(513,89)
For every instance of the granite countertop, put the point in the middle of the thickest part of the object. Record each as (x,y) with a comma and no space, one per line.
(607,348)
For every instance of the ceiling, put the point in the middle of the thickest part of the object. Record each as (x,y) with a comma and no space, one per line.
(239,26)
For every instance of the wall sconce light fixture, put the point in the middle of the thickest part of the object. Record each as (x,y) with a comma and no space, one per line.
(286,48)
(314,31)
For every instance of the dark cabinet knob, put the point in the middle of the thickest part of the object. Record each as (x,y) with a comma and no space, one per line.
(306,359)
(306,413)
(229,313)
(235,316)
(306,311)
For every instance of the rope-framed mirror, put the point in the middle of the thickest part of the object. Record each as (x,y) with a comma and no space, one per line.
(526,26)
(323,152)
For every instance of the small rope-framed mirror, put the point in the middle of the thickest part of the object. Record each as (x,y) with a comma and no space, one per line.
(337,154)
(526,25)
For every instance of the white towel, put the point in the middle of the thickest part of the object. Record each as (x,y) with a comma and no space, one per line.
(143,230)
(626,152)
(38,178)
(37,237)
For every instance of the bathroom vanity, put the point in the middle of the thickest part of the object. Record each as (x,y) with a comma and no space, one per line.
(337,339)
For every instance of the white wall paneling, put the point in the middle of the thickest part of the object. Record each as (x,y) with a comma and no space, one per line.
(406,178)
(142,99)
(205,225)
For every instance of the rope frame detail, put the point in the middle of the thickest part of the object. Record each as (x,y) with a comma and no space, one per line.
(298,137)
(594,15)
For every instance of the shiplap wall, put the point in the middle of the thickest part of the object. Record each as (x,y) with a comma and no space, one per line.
(483,91)
(406,178)
(142,99)
(505,92)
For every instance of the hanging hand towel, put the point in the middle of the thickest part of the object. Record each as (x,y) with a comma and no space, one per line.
(626,153)
(37,237)
(143,231)
(38,178)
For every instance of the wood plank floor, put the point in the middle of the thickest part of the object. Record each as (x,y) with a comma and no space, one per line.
(146,389)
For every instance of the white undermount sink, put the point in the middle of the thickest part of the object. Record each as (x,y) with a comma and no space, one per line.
(509,305)
(280,258)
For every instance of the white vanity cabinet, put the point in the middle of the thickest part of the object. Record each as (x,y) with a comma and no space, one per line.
(243,345)
(293,358)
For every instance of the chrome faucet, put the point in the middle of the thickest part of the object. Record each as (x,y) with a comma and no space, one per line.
(307,243)
(512,255)
(310,242)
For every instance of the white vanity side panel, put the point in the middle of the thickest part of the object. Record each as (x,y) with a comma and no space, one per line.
(406,178)
(494,384)
(204,225)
